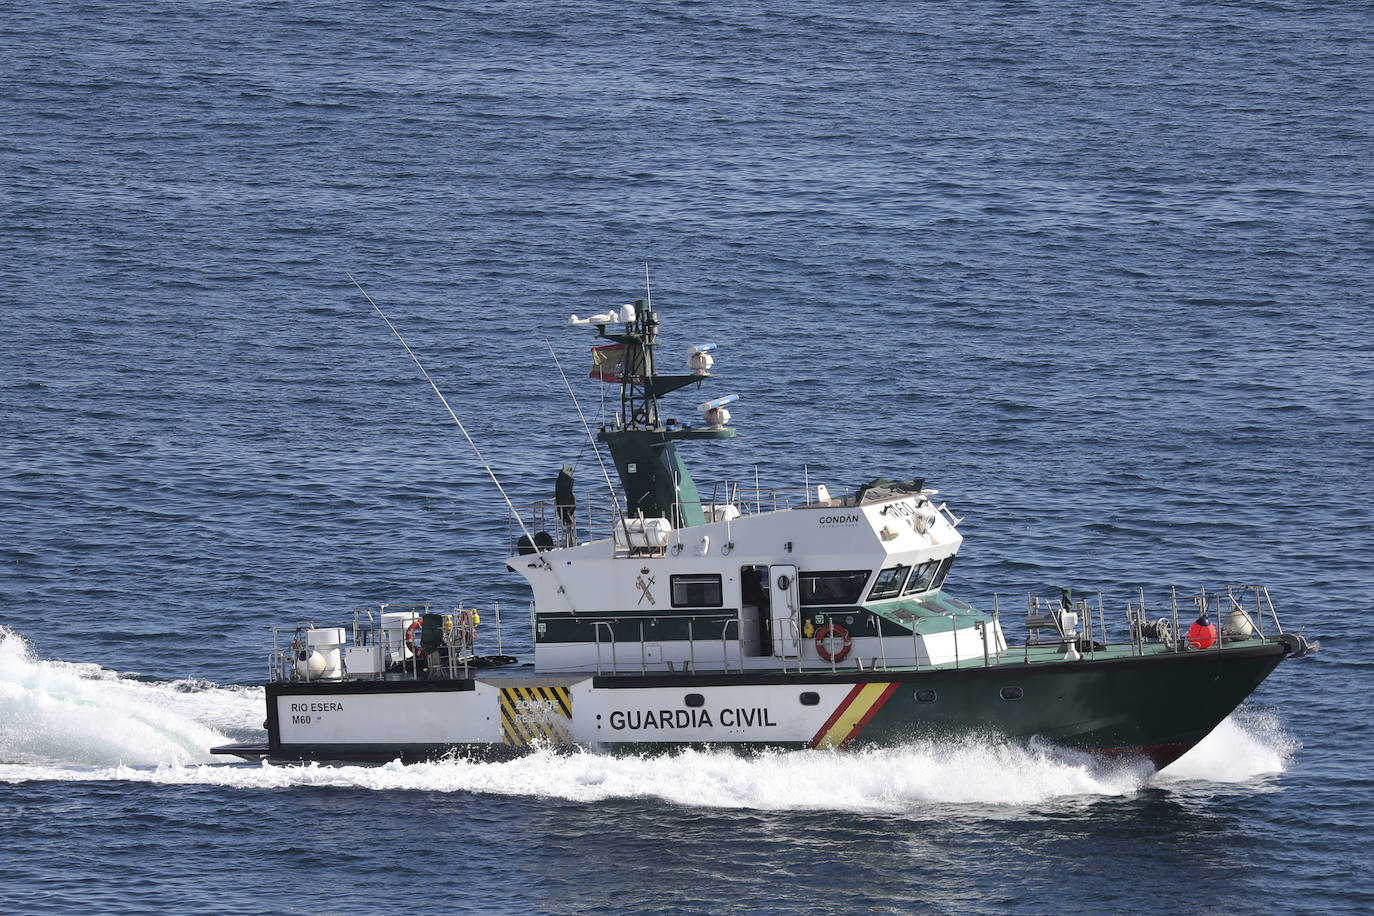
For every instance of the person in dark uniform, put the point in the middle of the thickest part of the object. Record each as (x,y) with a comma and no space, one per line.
(566,504)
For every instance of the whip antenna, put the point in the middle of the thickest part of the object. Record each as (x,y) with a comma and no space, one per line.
(444,401)
(614,502)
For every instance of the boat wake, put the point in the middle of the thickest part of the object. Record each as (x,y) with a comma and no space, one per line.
(73,722)
(55,713)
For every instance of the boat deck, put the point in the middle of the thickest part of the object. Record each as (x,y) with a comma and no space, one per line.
(521,672)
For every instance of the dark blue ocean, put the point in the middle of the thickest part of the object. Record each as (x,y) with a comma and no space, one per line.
(1101,273)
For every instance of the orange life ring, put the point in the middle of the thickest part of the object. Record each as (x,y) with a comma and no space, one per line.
(413,640)
(823,637)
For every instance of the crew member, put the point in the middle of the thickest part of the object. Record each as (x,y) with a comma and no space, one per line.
(566,504)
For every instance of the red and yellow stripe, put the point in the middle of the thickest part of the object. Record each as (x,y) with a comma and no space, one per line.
(853,713)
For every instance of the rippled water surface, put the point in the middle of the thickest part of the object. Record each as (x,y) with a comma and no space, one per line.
(1102,276)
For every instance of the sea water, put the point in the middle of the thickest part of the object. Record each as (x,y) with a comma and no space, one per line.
(1101,276)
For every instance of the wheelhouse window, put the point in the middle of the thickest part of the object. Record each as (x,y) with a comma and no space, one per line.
(889,583)
(832,587)
(921,577)
(943,571)
(697,591)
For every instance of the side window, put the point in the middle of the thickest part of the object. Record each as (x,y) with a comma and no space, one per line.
(696,591)
(943,571)
(921,577)
(889,583)
(841,587)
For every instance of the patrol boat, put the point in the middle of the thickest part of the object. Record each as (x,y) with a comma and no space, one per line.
(673,615)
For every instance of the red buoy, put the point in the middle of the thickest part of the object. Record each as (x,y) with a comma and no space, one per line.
(1202,634)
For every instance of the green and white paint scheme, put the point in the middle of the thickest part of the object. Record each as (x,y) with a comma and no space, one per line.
(673,616)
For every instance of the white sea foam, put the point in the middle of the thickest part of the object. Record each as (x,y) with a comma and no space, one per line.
(888,781)
(81,722)
(1246,746)
(61,713)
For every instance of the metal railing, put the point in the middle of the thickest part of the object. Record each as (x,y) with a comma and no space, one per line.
(689,664)
(595,518)
(451,659)
(1226,610)
(596,631)
(1240,614)
(780,641)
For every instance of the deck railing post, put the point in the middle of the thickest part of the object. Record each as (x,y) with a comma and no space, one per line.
(496,612)
(829,642)
(996,614)
(596,629)
(725,644)
(796,638)
(1173,595)
(1141,640)
(1273,614)
(1101,622)
(691,646)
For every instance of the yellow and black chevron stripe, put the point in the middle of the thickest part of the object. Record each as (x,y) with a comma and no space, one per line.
(533,714)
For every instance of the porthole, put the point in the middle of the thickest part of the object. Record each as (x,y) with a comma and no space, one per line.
(1012,693)
(810,698)
(694,700)
(925,696)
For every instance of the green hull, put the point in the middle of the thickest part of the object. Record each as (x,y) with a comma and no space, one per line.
(1158,706)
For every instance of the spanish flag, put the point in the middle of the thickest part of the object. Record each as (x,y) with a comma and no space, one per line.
(608,362)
